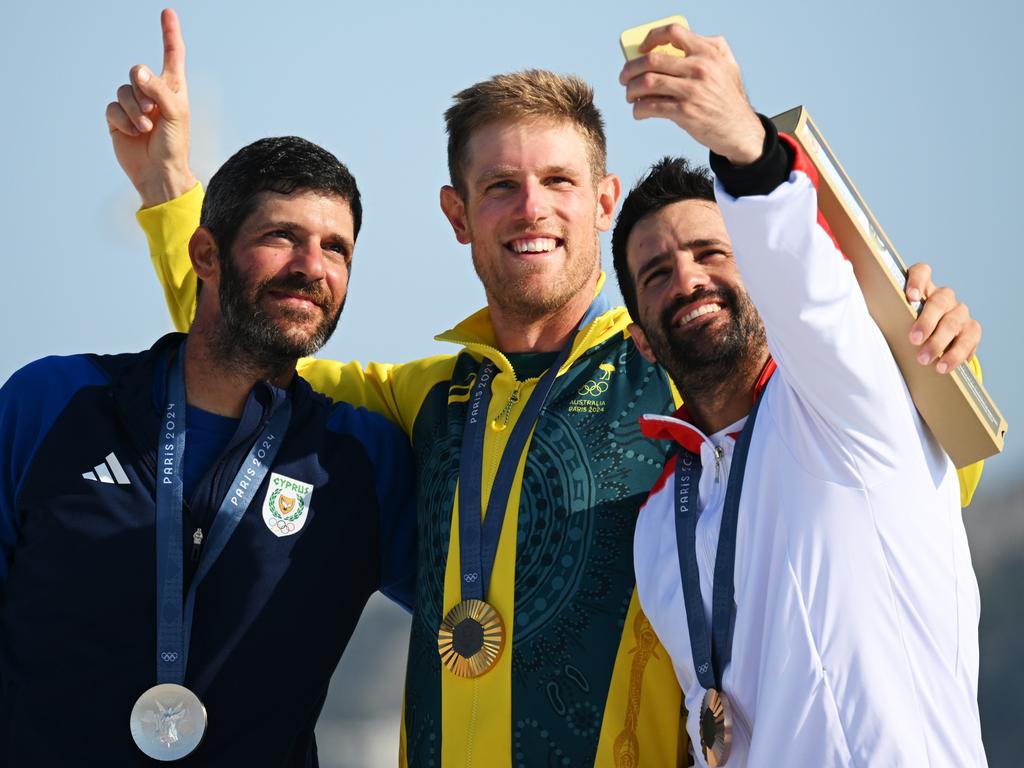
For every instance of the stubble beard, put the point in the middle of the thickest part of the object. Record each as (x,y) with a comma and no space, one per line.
(254,341)
(519,296)
(706,364)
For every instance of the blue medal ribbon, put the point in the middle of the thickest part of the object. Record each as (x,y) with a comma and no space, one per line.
(711,655)
(175,610)
(478,542)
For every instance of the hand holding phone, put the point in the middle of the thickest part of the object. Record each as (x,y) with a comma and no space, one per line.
(631,39)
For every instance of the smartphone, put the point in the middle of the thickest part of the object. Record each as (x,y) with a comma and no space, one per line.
(630,39)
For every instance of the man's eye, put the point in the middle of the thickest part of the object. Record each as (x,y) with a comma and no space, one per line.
(710,254)
(558,181)
(655,277)
(500,186)
(280,234)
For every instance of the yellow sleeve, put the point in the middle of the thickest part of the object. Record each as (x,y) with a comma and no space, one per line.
(970,475)
(396,391)
(169,227)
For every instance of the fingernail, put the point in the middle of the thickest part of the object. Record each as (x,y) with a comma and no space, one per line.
(924,358)
(143,75)
(145,123)
(941,367)
(146,105)
(913,294)
(916,337)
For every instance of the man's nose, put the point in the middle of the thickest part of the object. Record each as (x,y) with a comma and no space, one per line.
(308,259)
(533,201)
(688,276)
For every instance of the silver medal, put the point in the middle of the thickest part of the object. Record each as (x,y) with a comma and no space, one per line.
(168,722)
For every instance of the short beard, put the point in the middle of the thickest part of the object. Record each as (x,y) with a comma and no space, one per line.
(520,300)
(705,364)
(253,340)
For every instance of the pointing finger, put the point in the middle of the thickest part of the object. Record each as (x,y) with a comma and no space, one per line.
(174,50)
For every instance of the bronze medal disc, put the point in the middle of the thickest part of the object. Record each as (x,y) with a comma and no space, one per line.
(471,638)
(716,728)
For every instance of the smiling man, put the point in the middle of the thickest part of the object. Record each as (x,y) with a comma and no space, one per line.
(803,557)
(528,644)
(168,518)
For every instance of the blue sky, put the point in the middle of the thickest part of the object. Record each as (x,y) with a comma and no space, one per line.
(919,102)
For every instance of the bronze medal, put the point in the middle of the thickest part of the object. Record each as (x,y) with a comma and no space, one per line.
(471,638)
(716,727)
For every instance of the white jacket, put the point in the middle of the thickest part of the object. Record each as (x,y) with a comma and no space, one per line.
(856,605)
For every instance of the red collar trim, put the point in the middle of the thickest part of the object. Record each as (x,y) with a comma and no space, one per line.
(678,427)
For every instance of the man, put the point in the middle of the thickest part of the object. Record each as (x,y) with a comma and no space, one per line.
(168,519)
(819,605)
(573,675)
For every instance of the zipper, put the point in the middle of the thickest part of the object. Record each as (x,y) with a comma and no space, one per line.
(506,412)
(197,544)
(719,453)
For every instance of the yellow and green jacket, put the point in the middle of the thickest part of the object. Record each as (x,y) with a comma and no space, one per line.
(584,680)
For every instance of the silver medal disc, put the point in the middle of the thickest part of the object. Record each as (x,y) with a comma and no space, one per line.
(168,722)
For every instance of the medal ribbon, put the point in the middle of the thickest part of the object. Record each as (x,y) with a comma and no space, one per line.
(710,655)
(478,542)
(174,621)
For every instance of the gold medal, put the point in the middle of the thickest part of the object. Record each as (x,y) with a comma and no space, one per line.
(471,638)
(716,727)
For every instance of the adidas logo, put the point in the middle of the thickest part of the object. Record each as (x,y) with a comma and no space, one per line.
(108,471)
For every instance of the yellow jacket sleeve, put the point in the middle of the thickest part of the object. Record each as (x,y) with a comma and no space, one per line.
(169,227)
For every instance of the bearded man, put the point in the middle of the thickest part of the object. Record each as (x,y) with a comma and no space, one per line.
(168,518)
(803,557)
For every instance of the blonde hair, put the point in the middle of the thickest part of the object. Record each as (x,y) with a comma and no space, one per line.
(533,94)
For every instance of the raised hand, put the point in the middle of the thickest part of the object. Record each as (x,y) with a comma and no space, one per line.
(702,92)
(149,123)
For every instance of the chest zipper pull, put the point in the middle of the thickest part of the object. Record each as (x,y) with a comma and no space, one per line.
(719,453)
(197,544)
(506,412)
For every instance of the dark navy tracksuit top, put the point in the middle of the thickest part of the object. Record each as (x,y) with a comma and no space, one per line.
(78,439)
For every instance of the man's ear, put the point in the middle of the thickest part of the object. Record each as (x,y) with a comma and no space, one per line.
(609,190)
(203,252)
(455,211)
(640,339)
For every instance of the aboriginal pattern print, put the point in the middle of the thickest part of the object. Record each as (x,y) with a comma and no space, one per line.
(587,472)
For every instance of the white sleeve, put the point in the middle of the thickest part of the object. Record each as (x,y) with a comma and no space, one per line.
(829,351)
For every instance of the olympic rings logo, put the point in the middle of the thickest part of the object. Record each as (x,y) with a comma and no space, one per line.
(471,577)
(593,388)
(169,656)
(284,525)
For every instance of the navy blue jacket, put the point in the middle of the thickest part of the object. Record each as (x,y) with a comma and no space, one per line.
(78,606)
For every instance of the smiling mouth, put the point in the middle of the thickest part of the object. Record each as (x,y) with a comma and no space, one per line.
(295,300)
(524,245)
(703,309)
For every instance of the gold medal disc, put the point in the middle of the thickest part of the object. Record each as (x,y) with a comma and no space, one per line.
(716,728)
(471,638)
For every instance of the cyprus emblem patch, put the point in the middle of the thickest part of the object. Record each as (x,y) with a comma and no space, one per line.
(286,505)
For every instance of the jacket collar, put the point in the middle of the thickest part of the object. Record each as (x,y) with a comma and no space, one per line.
(679,428)
(476,334)
(140,391)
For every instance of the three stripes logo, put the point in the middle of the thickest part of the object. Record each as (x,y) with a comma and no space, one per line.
(108,471)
